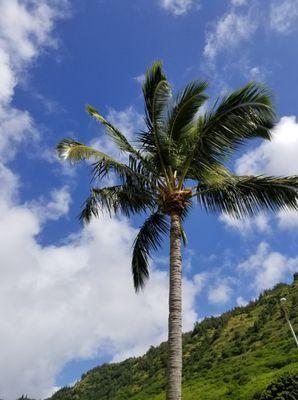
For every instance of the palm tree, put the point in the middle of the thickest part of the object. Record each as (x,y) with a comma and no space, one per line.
(180,157)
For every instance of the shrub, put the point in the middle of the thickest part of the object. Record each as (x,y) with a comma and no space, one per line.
(284,388)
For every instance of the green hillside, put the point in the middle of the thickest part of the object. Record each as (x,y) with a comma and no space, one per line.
(235,356)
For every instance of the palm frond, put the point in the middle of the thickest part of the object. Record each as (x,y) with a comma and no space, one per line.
(156,91)
(148,239)
(73,151)
(145,167)
(118,138)
(125,173)
(244,114)
(185,108)
(248,195)
(127,199)
(183,235)
(135,156)
(213,175)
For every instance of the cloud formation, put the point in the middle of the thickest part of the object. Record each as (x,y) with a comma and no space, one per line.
(62,302)
(220,294)
(283,16)
(239,24)
(238,2)
(178,7)
(245,227)
(275,157)
(25,30)
(229,31)
(267,268)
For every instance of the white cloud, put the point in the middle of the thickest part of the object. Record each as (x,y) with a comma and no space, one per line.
(247,226)
(10,184)
(287,219)
(238,2)
(220,294)
(229,31)
(284,16)
(267,267)
(54,209)
(25,29)
(15,126)
(241,302)
(275,157)
(178,7)
(49,105)
(239,24)
(8,78)
(188,259)
(200,281)
(256,73)
(140,78)
(69,301)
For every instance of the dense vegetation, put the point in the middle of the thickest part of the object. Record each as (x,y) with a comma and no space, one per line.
(245,354)
(284,388)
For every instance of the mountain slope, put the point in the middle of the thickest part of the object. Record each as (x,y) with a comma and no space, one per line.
(234,356)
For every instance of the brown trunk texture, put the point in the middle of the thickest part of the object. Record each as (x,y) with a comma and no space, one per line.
(175,313)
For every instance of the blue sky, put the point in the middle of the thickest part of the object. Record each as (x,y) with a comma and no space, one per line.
(66,291)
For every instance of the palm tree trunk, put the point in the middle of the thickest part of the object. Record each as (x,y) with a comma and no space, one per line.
(175,313)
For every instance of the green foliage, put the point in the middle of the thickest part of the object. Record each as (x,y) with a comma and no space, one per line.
(248,195)
(284,388)
(243,114)
(127,199)
(247,353)
(149,237)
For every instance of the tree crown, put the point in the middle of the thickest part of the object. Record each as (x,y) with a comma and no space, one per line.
(181,156)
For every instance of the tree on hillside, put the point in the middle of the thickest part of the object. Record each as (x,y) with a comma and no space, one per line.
(177,159)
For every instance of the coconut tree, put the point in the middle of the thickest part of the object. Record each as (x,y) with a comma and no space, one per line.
(177,160)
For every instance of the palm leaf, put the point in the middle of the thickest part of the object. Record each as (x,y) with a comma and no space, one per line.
(183,235)
(73,151)
(148,238)
(122,143)
(185,108)
(156,92)
(127,199)
(244,114)
(248,195)
(118,138)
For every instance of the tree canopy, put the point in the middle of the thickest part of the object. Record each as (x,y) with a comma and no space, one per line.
(181,155)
